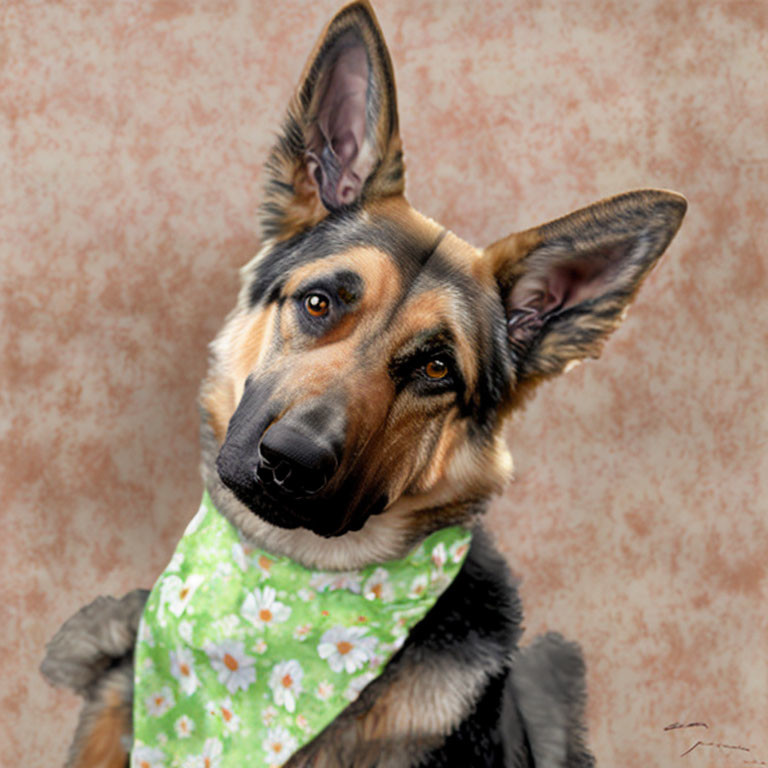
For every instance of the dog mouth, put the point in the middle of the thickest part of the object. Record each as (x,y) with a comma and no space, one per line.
(328,517)
(329,514)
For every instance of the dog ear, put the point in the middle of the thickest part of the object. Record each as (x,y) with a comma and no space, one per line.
(566,284)
(340,143)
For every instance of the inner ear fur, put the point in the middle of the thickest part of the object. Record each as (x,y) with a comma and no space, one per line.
(340,143)
(565,285)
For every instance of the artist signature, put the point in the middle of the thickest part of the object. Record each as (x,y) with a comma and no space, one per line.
(711,744)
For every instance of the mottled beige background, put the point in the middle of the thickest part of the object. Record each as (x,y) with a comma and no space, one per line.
(132,135)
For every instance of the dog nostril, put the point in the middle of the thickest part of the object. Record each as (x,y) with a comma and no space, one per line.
(314,482)
(264,473)
(282,472)
(290,463)
(267,458)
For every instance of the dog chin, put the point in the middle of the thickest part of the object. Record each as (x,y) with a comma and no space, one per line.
(320,516)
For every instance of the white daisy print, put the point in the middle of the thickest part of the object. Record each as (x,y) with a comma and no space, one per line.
(194,523)
(185,630)
(263,564)
(324,581)
(285,682)
(346,648)
(235,669)
(212,750)
(147,757)
(178,593)
(419,586)
(357,684)
(184,727)
(439,555)
(324,690)
(302,722)
(210,757)
(260,647)
(301,632)
(306,595)
(241,553)
(279,745)
(227,625)
(262,610)
(145,633)
(226,712)
(400,626)
(398,643)
(458,550)
(223,571)
(378,587)
(183,669)
(268,715)
(160,702)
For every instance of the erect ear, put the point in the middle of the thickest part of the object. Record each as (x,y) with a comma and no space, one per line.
(340,143)
(565,285)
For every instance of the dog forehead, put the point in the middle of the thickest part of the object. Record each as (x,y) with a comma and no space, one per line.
(332,238)
(419,249)
(361,268)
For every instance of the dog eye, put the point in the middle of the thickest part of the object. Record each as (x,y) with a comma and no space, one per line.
(317,304)
(436,369)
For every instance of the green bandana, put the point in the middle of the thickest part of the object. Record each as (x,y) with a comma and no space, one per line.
(243,657)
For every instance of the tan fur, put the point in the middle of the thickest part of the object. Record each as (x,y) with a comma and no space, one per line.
(105,725)
(382,281)
(251,335)
(238,350)
(305,210)
(416,704)
(218,400)
(382,287)
(103,748)
(423,701)
(428,308)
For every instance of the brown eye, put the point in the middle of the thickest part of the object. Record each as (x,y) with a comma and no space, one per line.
(436,369)
(316,304)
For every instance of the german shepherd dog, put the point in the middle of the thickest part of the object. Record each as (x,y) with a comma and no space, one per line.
(355,404)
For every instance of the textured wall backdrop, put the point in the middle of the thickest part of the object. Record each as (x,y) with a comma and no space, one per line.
(132,135)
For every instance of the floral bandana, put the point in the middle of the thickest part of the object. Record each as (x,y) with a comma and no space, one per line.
(243,657)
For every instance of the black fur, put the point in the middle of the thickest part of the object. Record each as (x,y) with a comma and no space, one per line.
(338,232)
(490,733)
(477,624)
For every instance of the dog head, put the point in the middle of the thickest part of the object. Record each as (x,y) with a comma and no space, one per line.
(359,388)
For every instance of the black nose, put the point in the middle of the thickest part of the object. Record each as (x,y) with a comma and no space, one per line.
(293,463)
